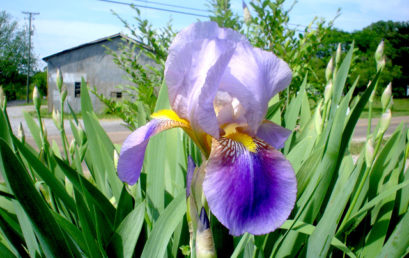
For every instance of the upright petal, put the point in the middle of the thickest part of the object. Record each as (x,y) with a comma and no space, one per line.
(254,76)
(196,62)
(249,191)
(273,134)
(133,149)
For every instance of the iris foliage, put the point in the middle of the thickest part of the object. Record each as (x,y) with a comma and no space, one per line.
(70,202)
(358,205)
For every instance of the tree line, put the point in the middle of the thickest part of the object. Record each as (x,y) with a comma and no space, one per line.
(14,60)
(396,38)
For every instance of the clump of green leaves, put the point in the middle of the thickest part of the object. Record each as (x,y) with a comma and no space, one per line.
(72,203)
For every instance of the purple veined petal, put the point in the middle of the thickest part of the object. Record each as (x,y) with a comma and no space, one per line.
(196,63)
(189,174)
(133,149)
(249,191)
(273,134)
(254,76)
(193,72)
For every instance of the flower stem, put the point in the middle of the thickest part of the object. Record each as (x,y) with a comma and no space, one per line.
(361,183)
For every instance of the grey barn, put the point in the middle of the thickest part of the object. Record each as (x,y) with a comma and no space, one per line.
(91,62)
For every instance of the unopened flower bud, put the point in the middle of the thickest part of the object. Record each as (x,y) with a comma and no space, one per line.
(338,55)
(20,132)
(328,91)
(385,121)
(56,118)
(330,69)
(381,64)
(379,51)
(116,158)
(318,119)
(246,13)
(82,135)
(372,97)
(44,131)
(36,98)
(369,152)
(59,79)
(386,96)
(63,94)
(72,146)
(189,174)
(2,97)
(204,239)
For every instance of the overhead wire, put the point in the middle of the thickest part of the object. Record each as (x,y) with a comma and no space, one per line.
(155,8)
(172,5)
(177,11)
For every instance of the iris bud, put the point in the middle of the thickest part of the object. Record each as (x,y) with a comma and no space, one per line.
(328,91)
(379,51)
(246,13)
(330,69)
(20,132)
(386,96)
(369,152)
(318,119)
(59,79)
(2,97)
(56,118)
(36,98)
(381,64)
(116,158)
(385,121)
(204,239)
(44,131)
(72,146)
(82,135)
(338,55)
(372,97)
(63,94)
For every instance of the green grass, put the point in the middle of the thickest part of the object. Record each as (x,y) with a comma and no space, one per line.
(45,114)
(44,102)
(400,107)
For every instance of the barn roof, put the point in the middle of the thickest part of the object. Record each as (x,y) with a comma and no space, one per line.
(98,41)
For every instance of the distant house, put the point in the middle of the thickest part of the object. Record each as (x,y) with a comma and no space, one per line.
(91,62)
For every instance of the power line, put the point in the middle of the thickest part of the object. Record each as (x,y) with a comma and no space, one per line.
(171,5)
(30,17)
(155,8)
(180,12)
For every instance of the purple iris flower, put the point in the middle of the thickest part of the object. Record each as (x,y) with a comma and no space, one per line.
(219,88)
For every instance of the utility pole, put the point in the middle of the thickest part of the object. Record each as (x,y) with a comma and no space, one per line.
(30,17)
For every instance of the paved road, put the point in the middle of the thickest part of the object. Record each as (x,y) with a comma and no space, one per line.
(118,132)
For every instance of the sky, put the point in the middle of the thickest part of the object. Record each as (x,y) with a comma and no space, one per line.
(65,24)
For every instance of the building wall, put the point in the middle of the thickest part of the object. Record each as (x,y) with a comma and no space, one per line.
(91,63)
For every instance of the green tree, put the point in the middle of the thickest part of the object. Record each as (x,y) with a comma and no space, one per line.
(396,38)
(13,56)
(39,79)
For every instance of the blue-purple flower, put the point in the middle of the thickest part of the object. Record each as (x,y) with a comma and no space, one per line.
(219,88)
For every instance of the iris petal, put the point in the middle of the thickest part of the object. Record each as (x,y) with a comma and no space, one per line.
(249,191)
(189,174)
(273,134)
(194,68)
(254,76)
(133,149)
